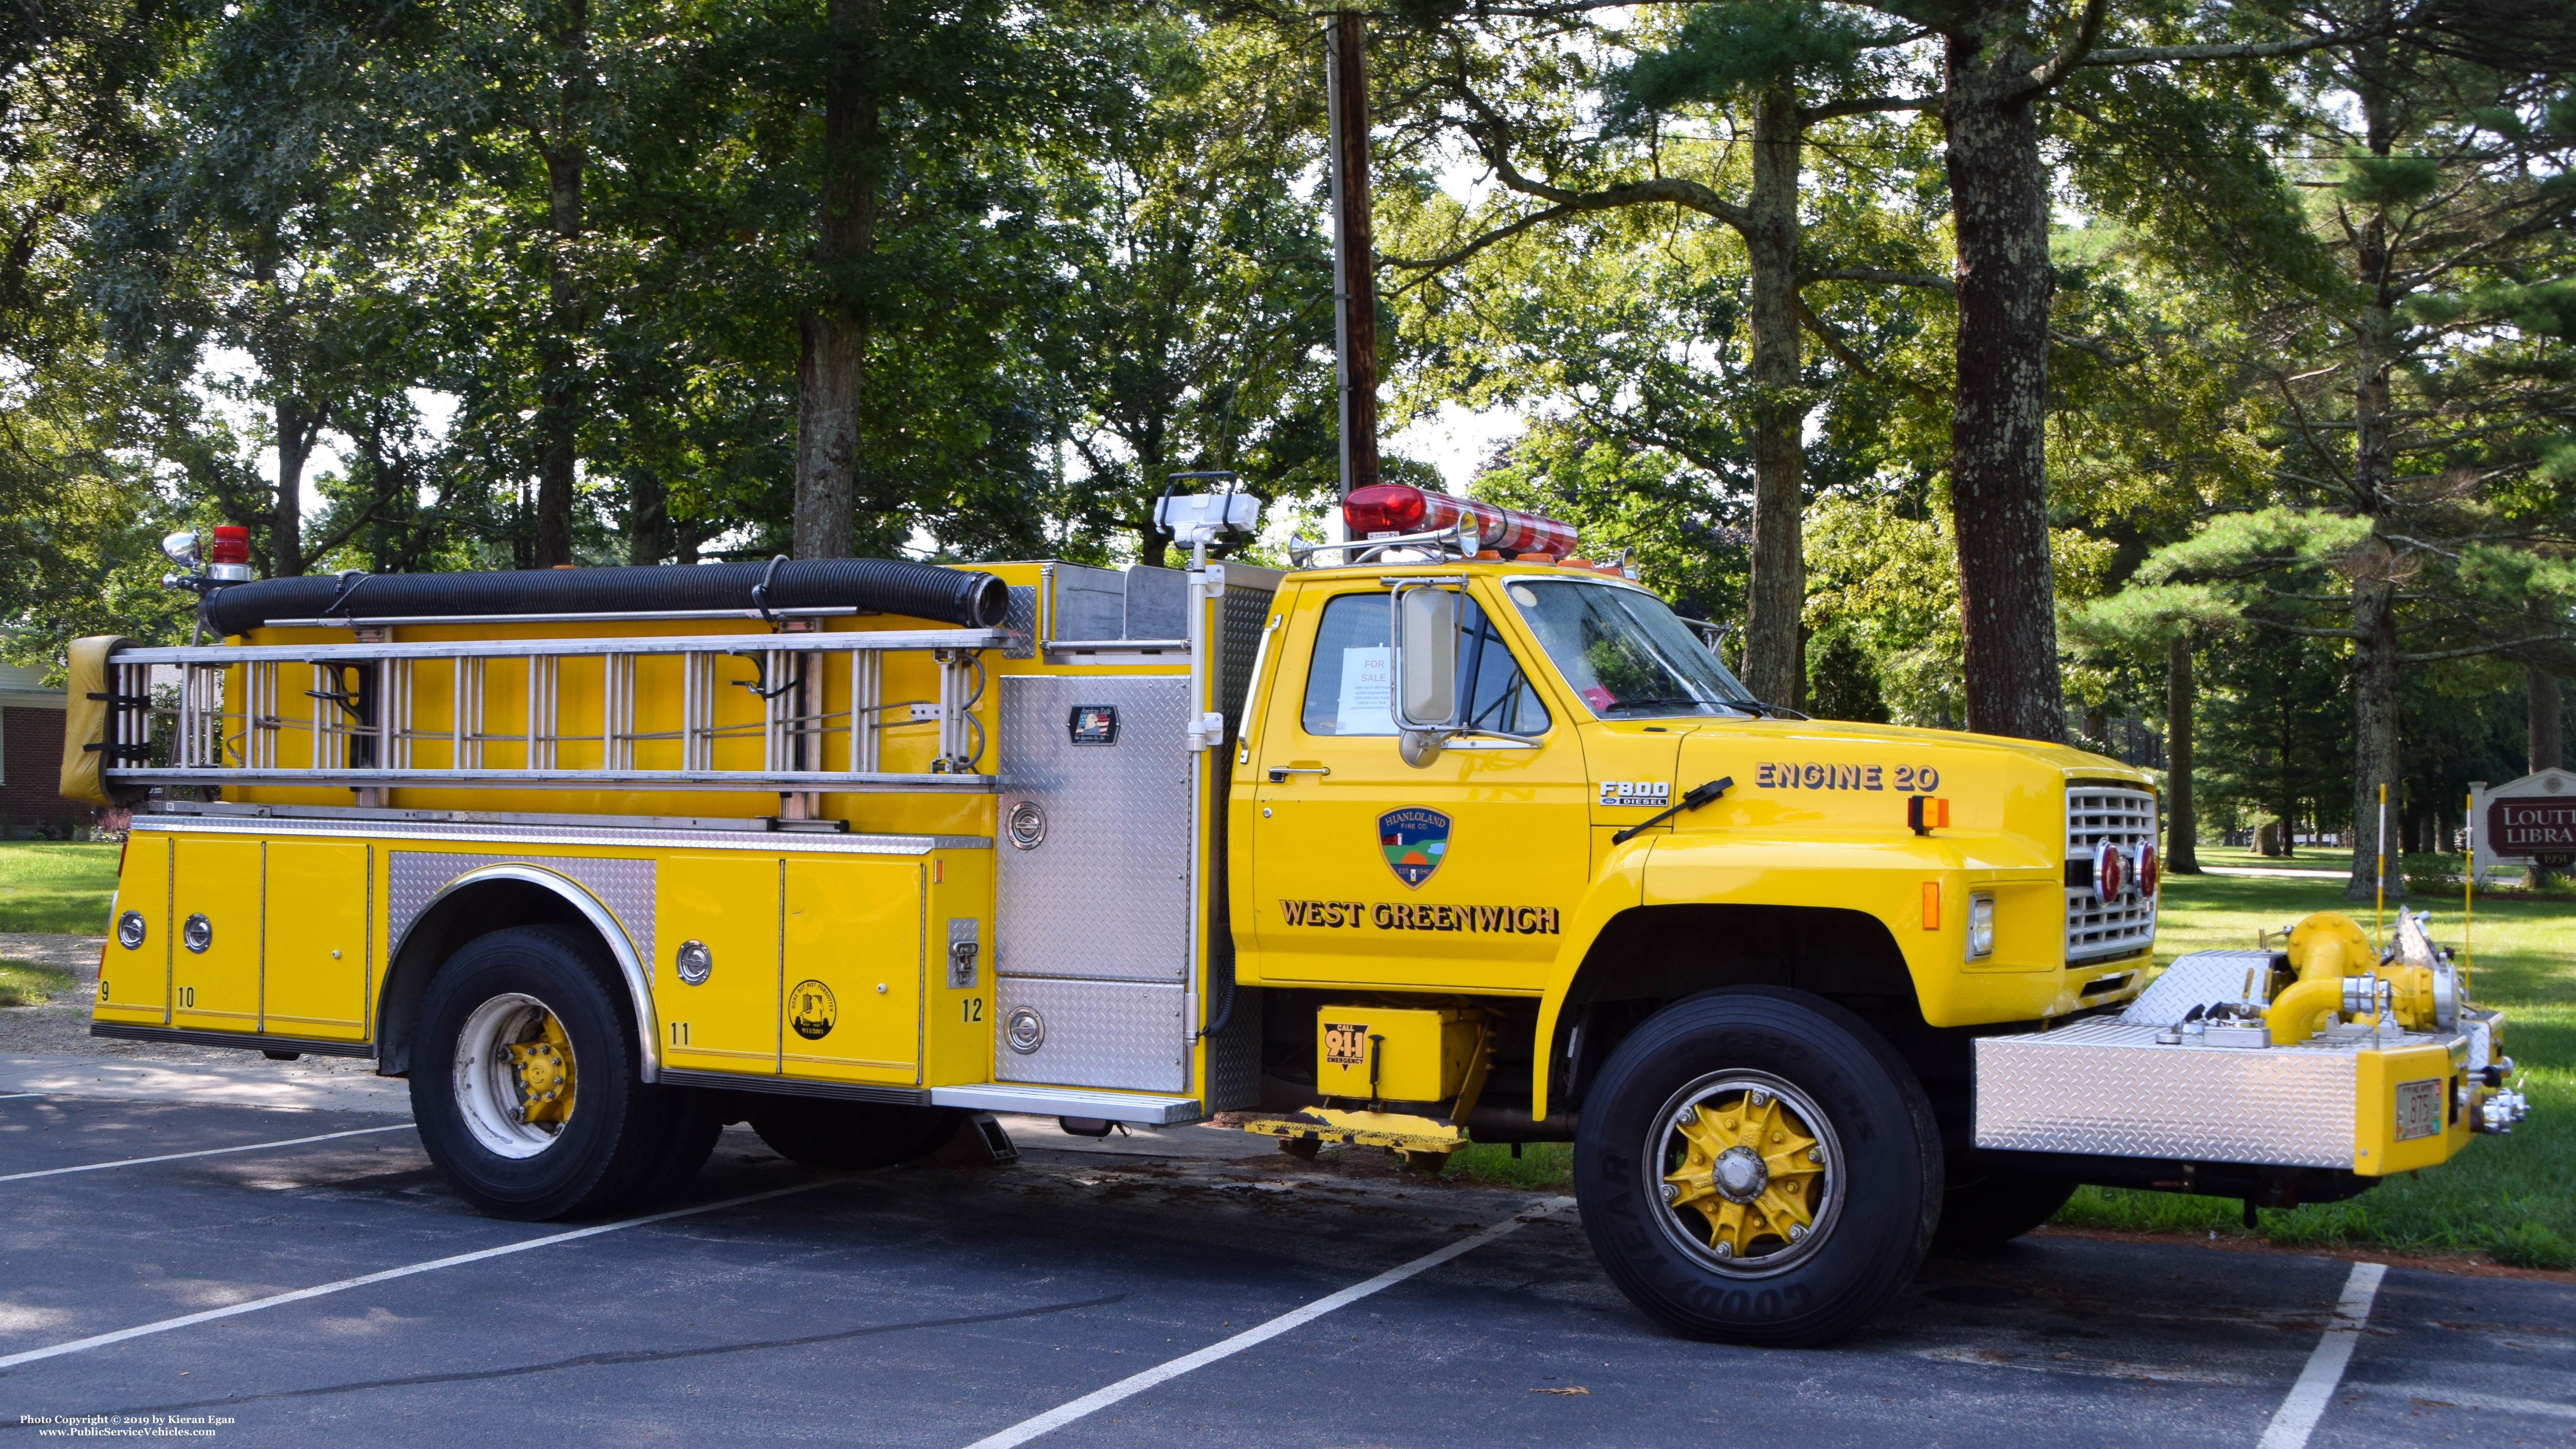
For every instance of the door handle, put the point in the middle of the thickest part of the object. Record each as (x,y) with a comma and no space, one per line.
(1279,773)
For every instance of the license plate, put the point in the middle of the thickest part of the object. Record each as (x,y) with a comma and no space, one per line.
(2419,1109)
(1345,1045)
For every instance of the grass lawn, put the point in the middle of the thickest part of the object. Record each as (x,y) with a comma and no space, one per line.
(2511,1197)
(48,886)
(24,983)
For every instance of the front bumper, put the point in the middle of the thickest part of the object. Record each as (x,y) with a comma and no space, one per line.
(2351,1099)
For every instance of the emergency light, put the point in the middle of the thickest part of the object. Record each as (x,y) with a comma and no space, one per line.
(231,544)
(1399,509)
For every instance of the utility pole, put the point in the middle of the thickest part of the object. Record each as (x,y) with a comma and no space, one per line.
(1354,251)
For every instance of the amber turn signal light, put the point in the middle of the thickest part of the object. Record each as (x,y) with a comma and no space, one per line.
(1926,813)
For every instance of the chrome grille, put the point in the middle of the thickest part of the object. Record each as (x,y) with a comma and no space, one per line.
(2097,929)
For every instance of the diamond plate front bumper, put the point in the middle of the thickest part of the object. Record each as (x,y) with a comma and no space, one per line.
(2108,1088)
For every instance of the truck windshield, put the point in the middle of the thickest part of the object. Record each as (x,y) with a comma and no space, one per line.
(1625,652)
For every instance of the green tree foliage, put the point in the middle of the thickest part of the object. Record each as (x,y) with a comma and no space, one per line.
(1192,334)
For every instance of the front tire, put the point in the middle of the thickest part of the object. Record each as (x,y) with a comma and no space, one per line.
(525,1084)
(1758,1166)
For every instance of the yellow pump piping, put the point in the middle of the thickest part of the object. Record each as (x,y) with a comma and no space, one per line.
(2317,997)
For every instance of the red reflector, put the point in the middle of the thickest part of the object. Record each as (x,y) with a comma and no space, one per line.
(231,545)
(2149,870)
(1402,508)
(2107,869)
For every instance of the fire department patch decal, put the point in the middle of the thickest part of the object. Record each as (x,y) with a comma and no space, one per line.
(1414,840)
(812,1010)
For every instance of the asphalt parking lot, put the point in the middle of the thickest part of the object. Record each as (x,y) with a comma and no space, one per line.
(942,1305)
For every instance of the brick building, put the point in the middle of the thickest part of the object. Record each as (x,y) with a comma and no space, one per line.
(31,757)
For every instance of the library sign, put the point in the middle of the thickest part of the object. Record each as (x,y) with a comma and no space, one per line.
(2539,828)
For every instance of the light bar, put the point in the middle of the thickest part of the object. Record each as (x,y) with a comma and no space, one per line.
(1399,508)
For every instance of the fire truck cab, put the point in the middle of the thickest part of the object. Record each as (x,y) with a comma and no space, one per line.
(1442,837)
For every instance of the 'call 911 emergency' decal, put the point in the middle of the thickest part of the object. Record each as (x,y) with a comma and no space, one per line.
(1655,793)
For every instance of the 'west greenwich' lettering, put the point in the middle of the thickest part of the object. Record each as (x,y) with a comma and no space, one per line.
(1408,916)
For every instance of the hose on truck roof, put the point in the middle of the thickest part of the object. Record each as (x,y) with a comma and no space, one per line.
(887,586)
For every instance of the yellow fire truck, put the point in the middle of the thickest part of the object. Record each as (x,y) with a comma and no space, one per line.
(1441,836)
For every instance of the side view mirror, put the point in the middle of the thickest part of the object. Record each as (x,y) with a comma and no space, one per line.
(1426,669)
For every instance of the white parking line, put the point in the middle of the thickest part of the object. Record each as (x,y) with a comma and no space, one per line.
(102,1340)
(208,1152)
(1093,1402)
(2298,1414)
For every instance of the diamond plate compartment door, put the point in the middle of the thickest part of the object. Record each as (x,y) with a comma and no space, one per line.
(1091,944)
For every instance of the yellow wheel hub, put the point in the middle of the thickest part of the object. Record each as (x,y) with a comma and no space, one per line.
(544,1069)
(1751,1170)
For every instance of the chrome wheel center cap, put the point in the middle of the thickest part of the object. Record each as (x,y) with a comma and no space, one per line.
(1741,1174)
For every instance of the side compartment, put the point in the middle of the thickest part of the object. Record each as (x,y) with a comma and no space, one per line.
(134,972)
(717,921)
(316,969)
(855,966)
(215,904)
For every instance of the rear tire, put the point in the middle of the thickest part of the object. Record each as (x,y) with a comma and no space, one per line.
(1983,1211)
(697,1120)
(590,1146)
(1758,1166)
(850,1136)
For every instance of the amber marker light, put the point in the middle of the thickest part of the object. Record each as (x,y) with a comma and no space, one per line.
(1931,905)
(1926,813)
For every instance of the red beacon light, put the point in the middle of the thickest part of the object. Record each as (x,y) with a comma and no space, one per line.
(228,553)
(1399,509)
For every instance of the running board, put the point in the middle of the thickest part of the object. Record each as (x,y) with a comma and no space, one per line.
(117,1030)
(1134,1107)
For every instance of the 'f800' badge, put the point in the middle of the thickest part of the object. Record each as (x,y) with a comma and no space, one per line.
(1414,840)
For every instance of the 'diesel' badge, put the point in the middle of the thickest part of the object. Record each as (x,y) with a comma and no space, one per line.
(812,1010)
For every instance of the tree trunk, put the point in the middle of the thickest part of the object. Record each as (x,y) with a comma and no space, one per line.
(833,343)
(2288,804)
(2374,713)
(2540,690)
(296,427)
(1998,478)
(2372,564)
(1775,602)
(2182,825)
(648,517)
(565,153)
(1354,252)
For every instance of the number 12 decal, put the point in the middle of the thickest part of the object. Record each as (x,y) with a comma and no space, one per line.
(971,1009)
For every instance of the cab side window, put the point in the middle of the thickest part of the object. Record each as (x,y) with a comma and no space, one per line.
(1349,684)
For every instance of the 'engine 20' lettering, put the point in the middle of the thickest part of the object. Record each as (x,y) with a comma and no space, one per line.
(1816,775)
(1407,916)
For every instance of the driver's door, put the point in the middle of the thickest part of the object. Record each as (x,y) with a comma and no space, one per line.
(1367,871)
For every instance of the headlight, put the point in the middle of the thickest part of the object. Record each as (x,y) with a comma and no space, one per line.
(1981,926)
